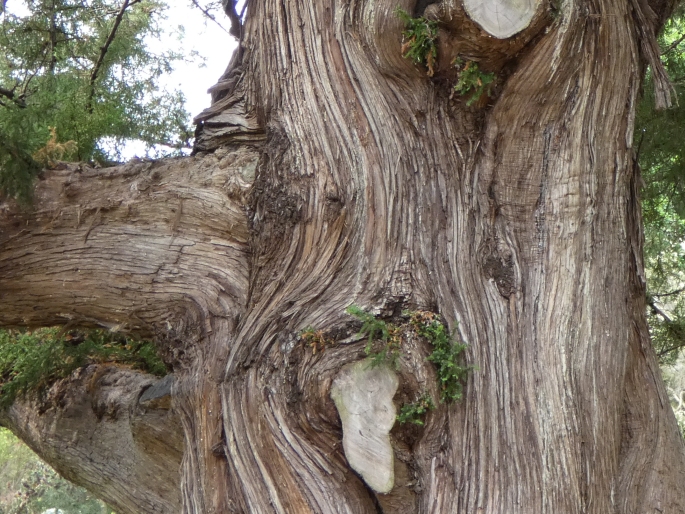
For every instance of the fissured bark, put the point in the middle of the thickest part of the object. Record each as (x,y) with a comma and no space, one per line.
(516,218)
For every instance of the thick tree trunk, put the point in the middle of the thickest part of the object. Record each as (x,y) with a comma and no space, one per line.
(516,218)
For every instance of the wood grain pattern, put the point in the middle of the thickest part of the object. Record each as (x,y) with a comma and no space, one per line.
(516,218)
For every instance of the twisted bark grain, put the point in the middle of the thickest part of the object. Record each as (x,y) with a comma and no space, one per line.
(516,218)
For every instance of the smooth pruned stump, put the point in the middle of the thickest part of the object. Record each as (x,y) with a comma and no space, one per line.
(331,171)
(363,395)
(502,18)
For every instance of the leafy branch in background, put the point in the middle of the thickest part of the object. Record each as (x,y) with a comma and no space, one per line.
(29,485)
(661,156)
(31,361)
(667,329)
(53,150)
(103,52)
(83,68)
(17,169)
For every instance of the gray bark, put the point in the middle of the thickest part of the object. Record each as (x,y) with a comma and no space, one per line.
(110,430)
(516,218)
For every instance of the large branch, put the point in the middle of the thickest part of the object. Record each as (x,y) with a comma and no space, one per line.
(153,248)
(110,430)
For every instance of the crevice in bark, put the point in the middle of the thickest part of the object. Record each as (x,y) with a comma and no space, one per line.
(421,6)
(378,509)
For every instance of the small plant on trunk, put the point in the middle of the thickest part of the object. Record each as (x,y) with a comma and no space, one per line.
(315,339)
(389,335)
(446,354)
(472,81)
(418,43)
(415,412)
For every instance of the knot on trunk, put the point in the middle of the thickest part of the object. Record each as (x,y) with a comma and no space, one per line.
(502,18)
(497,262)
(489,33)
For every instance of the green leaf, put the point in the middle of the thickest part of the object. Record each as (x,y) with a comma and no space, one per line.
(47,62)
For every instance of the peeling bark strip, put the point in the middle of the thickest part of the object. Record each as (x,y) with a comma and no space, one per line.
(374,185)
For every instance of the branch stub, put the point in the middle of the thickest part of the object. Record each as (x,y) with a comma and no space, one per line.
(502,18)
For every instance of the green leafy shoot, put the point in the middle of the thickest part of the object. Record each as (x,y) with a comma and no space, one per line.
(387,335)
(384,342)
(419,38)
(472,81)
(31,361)
(416,412)
(446,355)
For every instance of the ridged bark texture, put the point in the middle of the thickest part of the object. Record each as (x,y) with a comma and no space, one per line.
(110,430)
(516,218)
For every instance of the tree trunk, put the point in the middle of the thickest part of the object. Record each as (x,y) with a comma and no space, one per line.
(516,218)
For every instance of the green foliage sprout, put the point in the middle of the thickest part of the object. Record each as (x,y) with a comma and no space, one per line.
(32,361)
(378,330)
(446,355)
(419,37)
(472,81)
(416,412)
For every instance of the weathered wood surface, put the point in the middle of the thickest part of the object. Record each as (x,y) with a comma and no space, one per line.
(363,396)
(110,430)
(153,248)
(502,18)
(516,218)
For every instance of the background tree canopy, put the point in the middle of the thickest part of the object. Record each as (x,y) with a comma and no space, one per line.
(661,153)
(82,68)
